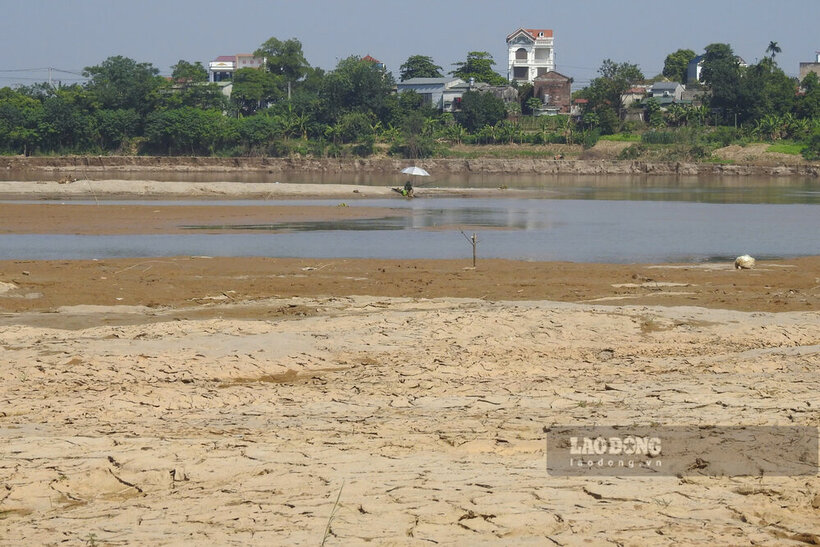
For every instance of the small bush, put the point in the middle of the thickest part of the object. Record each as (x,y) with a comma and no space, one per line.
(412,147)
(334,150)
(632,152)
(278,149)
(699,152)
(724,136)
(591,138)
(812,151)
(364,148)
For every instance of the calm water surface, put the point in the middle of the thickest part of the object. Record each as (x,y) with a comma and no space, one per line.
(581,230)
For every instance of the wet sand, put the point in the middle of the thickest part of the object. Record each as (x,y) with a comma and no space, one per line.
(182,282)
(235,400)
(107,219)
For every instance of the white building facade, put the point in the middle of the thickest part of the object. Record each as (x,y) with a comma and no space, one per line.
(222,68)
(531,54)
(441,93)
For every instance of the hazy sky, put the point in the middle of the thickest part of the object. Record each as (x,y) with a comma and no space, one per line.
(72,34)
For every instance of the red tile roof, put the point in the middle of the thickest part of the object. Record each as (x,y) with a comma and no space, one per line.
(371,59)
(534,32)
(226,58)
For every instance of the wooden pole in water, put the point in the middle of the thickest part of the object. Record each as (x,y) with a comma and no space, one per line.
(474,241)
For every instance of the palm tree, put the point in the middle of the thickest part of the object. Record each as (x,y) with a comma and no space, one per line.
(773,49)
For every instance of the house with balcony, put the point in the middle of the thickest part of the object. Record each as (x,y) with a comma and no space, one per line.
(223,67)
(531,53)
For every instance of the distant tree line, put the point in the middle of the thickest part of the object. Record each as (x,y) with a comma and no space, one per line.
(291,108)
(758,101)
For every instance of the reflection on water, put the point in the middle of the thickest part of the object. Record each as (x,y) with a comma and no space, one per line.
(443,213)
(537,229)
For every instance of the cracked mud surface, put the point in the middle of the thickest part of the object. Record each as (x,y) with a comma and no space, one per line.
(241,422)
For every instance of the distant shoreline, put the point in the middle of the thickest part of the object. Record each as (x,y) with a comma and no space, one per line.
(77,165)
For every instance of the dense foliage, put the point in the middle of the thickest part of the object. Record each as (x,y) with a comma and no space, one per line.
(289,108)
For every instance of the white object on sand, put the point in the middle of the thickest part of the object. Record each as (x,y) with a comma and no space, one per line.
(744,262)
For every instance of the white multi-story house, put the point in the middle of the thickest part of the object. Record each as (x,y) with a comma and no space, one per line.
(223,67)
(531,54)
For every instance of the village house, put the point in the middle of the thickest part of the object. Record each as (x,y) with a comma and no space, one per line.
(531,53)
(223,67)
(445,93)
(666,92)
(554,90)
(441,93)
(805,68)
(634,95)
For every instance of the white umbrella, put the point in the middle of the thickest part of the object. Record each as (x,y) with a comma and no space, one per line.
(418,171)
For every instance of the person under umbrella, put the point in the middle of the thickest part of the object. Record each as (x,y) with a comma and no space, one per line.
(407,190)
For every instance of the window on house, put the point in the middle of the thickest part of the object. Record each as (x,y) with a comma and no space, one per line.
(427,97)
(520,73)
(521,54)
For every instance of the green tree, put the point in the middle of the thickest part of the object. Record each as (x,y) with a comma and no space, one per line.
(654,116)
(479,110)
(65,126)
(122,83)
(479,65)
(676,64)
(284,59)
(526,91)
(259,131)
(812,150)
(184,130)
(206,96)
(721,73)
(532,104)
(355,126)
(21,120)
(356,85)
(773,49)
(605,92)
(253,89)
(185,72)
(114,127)
(419,66)
(764,89)
(808,104)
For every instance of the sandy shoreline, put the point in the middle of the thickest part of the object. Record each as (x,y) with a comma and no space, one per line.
(198,400)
